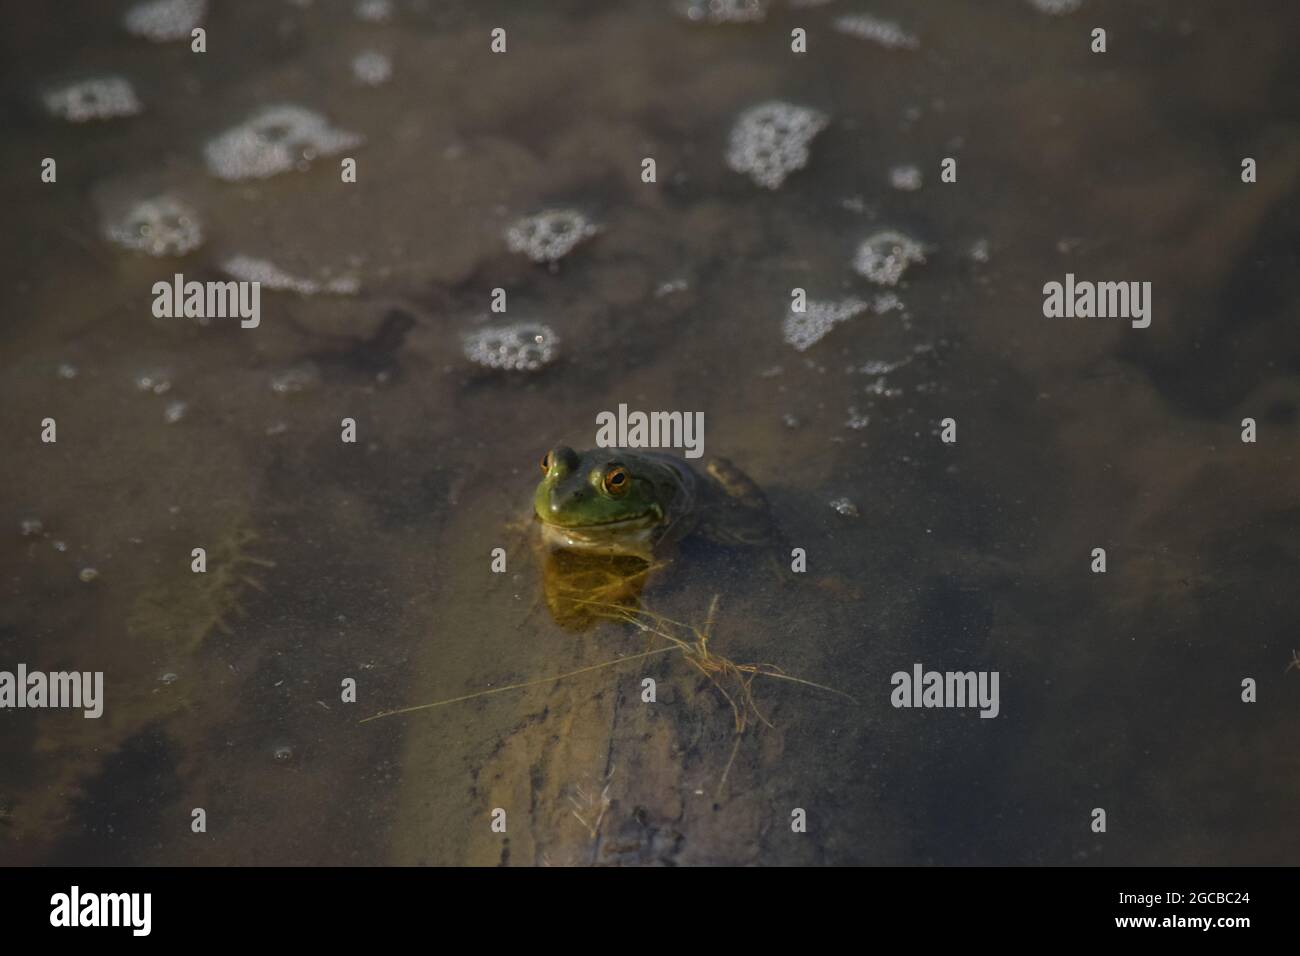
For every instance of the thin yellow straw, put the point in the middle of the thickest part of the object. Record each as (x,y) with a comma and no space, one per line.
(502,690)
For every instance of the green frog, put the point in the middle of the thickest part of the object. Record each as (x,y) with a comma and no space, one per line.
(618,502)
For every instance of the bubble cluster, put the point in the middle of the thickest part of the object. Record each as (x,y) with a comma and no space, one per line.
(884,257)
(275,140)
(906,178)
(105,97)
(882,367)
(175,411)
(270,276)
(373,11)
(549,236)
(880,388)
(845,507)
(165,20)
(804,329)
(1056,7)
(156,380)
(887,302)
(299,378)
(723,11)
(30,527)
(524,346)
(885,32)
(372,68)
(771,140)
(159,226)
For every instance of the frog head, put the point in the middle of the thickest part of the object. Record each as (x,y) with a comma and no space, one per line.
(604,491)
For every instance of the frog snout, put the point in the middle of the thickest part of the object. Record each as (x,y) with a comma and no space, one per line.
(562,500)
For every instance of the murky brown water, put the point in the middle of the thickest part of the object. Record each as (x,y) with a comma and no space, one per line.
(372,560)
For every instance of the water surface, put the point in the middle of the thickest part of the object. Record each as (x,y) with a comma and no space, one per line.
(371,560)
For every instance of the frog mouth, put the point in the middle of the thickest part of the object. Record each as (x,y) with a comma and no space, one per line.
(625,536)
(604,527)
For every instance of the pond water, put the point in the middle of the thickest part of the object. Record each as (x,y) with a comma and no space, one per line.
(372,560)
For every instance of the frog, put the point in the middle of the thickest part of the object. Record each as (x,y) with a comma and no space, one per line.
(643,504)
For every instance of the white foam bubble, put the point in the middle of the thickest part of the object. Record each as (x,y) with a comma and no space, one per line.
(722,11)
(887,302)
(299,378)
(159,226)
(885,32)
(165,20)
(884,257)
(881,367)
(373,11)
(156,380)
(881,388)
(771,140)
(272,277)
(858,205)
(906,178)
(670,287)
(1056,7)
(275,140)
(804,329)
(523,346)
(372,68)
(857,420)
(101,98)
(844,507)
(175,411)
(549,236)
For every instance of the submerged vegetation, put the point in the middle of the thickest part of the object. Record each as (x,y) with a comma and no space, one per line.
(188,607)
(732,680)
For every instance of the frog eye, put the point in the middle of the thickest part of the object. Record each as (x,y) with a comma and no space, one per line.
(617,480)
(546,463)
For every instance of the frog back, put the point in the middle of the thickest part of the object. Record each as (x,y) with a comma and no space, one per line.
(732,508)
